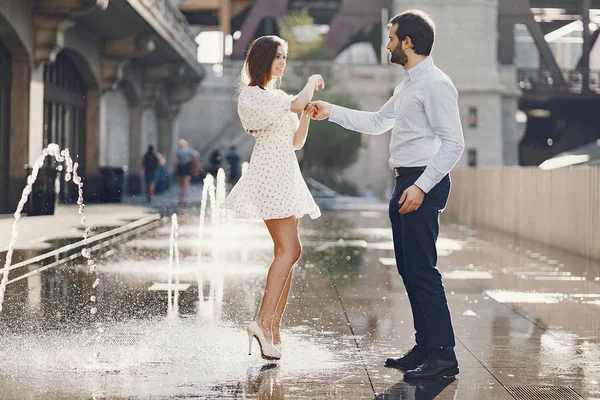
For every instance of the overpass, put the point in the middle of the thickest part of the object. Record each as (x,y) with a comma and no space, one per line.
(561,104)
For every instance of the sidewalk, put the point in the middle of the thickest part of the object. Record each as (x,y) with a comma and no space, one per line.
(37,232)
(526,319)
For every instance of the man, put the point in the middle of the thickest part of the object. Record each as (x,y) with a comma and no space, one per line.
(426,142)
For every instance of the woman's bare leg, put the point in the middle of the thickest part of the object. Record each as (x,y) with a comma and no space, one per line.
(282,302)
(186,186)
(180,180)
(284,233)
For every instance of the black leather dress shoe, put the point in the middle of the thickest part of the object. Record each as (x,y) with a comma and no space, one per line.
(415,357)
(433,368)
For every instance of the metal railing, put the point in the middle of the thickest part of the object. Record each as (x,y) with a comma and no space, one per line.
(531,79)
(172,18)
(558,207)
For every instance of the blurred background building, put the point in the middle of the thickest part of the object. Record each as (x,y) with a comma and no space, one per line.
(108,77)
(528,71)
(102,78)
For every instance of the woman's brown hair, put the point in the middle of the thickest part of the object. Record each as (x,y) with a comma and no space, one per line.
(260,58)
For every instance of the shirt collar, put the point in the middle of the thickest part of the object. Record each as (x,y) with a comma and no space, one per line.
(417,69)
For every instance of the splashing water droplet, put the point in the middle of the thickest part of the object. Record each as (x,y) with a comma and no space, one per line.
(91,262)
(93,299)
(96,283)
(93,310)
(83,219)
(86,253)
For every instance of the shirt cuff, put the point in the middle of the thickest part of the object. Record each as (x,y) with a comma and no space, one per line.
(425,183)
(336,113)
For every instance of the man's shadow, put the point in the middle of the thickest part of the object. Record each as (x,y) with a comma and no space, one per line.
(420,390)
(266,383)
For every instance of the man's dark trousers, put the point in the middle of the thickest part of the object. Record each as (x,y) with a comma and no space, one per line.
(415,235)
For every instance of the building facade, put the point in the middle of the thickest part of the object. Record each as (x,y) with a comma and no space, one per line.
(102,78)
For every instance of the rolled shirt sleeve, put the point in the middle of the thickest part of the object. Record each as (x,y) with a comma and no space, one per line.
(441,108)
(371,123)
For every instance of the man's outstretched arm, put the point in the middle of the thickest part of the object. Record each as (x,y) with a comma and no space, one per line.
(372,123)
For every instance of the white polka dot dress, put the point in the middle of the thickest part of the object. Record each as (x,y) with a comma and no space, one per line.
(273,186)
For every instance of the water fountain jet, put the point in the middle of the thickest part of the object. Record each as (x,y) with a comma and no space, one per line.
(52,150)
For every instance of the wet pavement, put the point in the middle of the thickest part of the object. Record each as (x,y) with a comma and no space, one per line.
(527,318)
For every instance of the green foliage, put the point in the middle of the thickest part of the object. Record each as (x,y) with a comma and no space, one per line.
(329,148)
(302,49)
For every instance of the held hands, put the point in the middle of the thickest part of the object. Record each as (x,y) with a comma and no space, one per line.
(318,110)
(411,199)
(316,81)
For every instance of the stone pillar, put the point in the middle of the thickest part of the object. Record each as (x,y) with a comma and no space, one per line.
(93,185)
(19,128)
(165,137)
(134,184)
(475,72)
(36,114)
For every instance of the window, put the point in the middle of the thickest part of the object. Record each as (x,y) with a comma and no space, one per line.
(472,121)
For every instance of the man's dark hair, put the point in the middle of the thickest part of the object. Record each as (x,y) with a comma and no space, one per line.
(419,27)
(151,148)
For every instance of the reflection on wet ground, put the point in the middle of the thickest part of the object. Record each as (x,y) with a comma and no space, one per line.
(526,318)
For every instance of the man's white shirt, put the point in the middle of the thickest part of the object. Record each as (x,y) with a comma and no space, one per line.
(424,118)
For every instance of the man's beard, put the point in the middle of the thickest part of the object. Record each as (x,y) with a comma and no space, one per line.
(399,56)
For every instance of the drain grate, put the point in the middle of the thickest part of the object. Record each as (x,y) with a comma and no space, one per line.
(114,339)
(527,392)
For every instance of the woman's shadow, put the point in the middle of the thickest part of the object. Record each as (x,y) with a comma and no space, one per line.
(420,390)
(266,383)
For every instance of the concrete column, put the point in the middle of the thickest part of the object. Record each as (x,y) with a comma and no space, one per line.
(475,73)
(225,23)
(19,128)
(168,134)
(165,138)
(134,184)
(36,113)
(92,189)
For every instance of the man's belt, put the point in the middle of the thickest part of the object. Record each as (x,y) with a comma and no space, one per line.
(403,171)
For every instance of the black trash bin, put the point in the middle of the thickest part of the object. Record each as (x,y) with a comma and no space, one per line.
(42,199)
(112,184)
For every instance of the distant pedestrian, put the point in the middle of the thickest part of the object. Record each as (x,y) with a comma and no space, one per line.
(233,159)
(185,159)
(214,162)
(150,163)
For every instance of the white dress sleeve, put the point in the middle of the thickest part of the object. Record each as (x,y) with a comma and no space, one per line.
(258,108)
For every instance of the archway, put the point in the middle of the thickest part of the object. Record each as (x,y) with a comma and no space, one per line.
(5,83)
(65,114)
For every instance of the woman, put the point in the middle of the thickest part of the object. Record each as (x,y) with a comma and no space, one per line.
(185,157)
(272,189)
